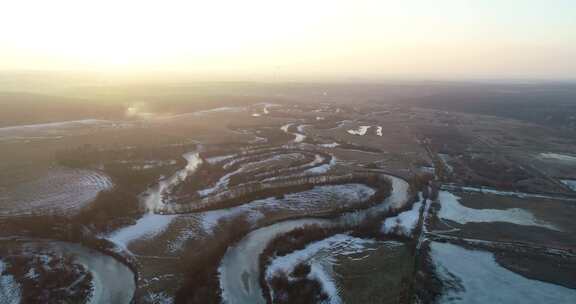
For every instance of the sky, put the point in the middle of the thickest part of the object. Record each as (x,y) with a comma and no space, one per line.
(293,39)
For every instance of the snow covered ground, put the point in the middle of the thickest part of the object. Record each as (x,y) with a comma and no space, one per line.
(556,156)
(404,223)
(330,145)
(361,130)
(154,197)
(485,190)
(60,191)
(152,224)
(299,137)
(321,256)
(322,168)
(239,268)
(61,125)
(316,198)
(274,161)
(480,279)
(147,226)
(446,160)
(571,183)
(10,292)
(451,209)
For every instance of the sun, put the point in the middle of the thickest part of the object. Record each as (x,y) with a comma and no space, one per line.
(148,32)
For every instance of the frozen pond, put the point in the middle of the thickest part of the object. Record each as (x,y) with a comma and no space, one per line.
(480,279)
(451,209)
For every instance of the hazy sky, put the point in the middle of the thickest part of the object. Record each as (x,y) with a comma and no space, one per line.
(294,38)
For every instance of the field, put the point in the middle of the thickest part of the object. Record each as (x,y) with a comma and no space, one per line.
(289,193)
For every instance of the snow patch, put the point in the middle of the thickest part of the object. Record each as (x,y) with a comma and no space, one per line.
(322,168)
(10,292)
(359,131)
(330,145)
(556,156)
(146,227)
(320,255)
(151,224)
(571,183)
(299,201)
(404,223)
(451,209)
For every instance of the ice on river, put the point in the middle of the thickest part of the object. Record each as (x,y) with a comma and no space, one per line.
(151,224)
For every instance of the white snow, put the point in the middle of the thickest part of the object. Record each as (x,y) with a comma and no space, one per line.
(217,159)
(359,131)
(59,191)
(10,292)
(571,183)
(451,209)
(298,136)
(556,156)
(154,197)
(285,127)
(330,145)
(483,280)
(301,128)
(147,226)
(379,131)
(320,255)
(305,200)
(239,269)
(267,106)
(58,125)
(221,183)
(404,223)
(220,109)
(322,168)
(151,224)
(504,193)
(446,161)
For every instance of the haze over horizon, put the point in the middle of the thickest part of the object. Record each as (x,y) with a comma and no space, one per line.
(266,40)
